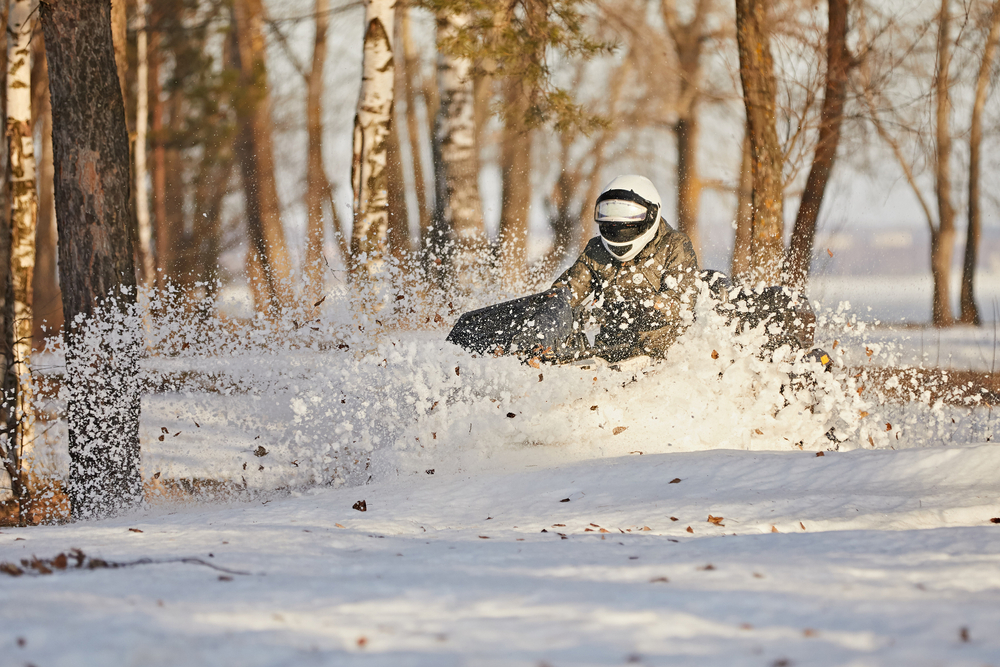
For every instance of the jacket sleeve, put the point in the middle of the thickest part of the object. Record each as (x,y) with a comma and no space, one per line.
(673,306)
(578,279)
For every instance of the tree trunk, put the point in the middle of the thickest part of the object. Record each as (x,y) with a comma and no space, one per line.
(315,171)
(838,63)
(399,219)
(740,266)
(119,35)
(96,266)
(969,310)
(757,77)
(688,183)
(943,238)
(161,230)
(459,239)
(23,220)
(398,234)
(515,175)
(141,123)
(372,125)
(411,82)
(268,254)
(47,301)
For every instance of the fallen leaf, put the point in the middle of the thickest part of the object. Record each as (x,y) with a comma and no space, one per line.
(820,454)
(338,525)
(871,441)
(829,252)
(593,407)
(564,500)
(646,528)
(541,377)
(774,530)
(963,634)
(863,414)
(717,520)
(360,506)
(362,641)
(801,526)
(673,518)
(156,475)
(636,452)
(758,575)
(619,429)
(161,438)
(689,529)
(707,568)
(11,569)
(164,429)
(809,632)
(595,525)
(561,525)
(659,580)
(588,530)
(511,415)
(603,530)
(758,431)
(869,351)
(60,562)
(321,300)
(746,626)
(134,530)
(835,344)
(260,451)
(429,471)
(715,355)
(483,537)
(888,427)
(675,480)
(457,371)
(995,519)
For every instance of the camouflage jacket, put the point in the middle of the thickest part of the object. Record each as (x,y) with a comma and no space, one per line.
(647,301)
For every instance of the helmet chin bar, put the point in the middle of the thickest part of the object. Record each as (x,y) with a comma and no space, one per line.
(619,251)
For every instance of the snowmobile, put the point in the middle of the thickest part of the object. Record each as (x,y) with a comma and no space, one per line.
(545,328)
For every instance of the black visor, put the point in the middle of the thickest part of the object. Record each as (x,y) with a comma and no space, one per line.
(623,216)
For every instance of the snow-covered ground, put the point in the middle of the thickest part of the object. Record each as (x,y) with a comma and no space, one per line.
(879,558)
(868,544)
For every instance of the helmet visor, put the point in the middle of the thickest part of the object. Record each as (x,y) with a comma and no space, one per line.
(622,221)
(616,210)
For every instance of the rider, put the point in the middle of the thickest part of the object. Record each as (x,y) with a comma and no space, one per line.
(640,270)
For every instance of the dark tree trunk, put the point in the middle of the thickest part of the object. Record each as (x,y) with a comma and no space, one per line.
(48,299)
(399,222)
(96,266)
(757,77)
(740,265)
(688,183)
(253,146)
(838,63)
(967,301)
(159,172)
(315,171)
(515,175)
(943,238)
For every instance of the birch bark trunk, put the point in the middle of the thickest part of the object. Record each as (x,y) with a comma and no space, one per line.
(316,173)
(969,311)
(23,220)
(96,263)
(460,233)
(372,124)
(141,127)
(943,236)
(757,77)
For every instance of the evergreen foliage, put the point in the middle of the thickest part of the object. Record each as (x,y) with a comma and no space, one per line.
(516,40)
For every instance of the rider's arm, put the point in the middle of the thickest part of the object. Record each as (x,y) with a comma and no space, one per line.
(578,278)
(673,306)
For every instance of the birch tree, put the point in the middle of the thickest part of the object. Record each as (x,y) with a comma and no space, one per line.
(757,76)
(369,174)
(23,219)
(967,301)
(460,233)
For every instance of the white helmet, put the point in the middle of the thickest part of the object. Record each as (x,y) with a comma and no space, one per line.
(628,215)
